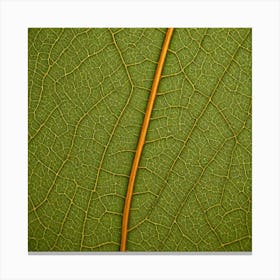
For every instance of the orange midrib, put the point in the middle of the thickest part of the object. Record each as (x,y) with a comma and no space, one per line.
(142,137)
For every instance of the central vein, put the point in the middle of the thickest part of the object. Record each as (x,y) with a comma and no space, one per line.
(142,137)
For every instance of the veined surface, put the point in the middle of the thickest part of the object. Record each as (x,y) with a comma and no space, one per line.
(88,90)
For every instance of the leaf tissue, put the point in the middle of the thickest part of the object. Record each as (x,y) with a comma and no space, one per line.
(139,139)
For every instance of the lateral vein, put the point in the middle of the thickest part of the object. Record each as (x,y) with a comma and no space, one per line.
(142,137)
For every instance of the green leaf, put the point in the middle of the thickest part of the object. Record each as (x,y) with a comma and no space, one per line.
(88,91)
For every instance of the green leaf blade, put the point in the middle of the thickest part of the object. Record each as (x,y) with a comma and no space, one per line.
(88,90)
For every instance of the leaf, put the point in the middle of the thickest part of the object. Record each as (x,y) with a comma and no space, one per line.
(88,91)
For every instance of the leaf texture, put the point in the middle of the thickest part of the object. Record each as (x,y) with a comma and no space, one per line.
(88,90)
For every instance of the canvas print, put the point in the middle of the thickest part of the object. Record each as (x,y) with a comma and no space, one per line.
(139,139)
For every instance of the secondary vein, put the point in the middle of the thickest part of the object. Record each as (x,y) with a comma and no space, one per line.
(142,138)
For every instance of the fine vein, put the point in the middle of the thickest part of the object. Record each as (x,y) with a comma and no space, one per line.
(142,137)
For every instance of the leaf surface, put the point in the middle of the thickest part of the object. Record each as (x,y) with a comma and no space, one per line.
(88,90)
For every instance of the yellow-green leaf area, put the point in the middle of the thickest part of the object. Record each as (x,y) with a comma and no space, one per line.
(87,94)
